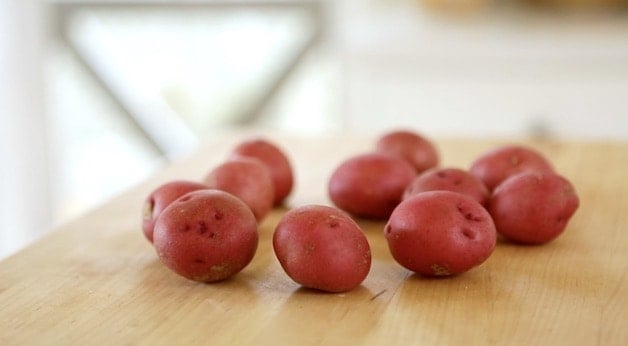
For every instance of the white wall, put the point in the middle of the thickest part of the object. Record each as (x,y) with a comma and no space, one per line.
(24,197)
(504,72)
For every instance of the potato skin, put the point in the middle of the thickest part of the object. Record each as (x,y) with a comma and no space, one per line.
(246,178)
(370,185)
(533,208)
(412,147)
(206,235)
(440,233)
(495,166)
(276,161)
(160,198)
(321,247)
(449,179)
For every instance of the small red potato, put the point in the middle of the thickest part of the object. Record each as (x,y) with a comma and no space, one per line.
(416,150)
(160,198)
(206,235)
(370,185)
(533,208)
(448,179)
(440,233)
(277,162)
(321,247)
(246,178)
(495,166)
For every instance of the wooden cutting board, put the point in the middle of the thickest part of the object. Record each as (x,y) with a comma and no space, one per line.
(96,280)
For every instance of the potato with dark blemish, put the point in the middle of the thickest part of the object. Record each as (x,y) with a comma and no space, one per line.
(321,247)
(533,208)
(160,198)
(206,235)
(440,233)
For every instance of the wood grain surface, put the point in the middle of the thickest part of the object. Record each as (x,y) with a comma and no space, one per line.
(96,280)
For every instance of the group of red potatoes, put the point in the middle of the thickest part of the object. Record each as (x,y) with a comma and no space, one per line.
(440,221)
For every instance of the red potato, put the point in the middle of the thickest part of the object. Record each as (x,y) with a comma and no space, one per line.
(206,235)
(160,198)
(448,179)
(248,179)
(370,185)
(533,208)
(495,166)
(416,150)
(321,247)
(277,162)
(440,233)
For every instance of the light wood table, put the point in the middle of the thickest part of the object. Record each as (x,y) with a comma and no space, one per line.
(96,280)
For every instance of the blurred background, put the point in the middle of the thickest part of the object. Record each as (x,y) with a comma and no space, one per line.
(97,94)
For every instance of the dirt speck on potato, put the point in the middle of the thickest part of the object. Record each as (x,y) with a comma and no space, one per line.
(219,268)
(440,270)
(514,160)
